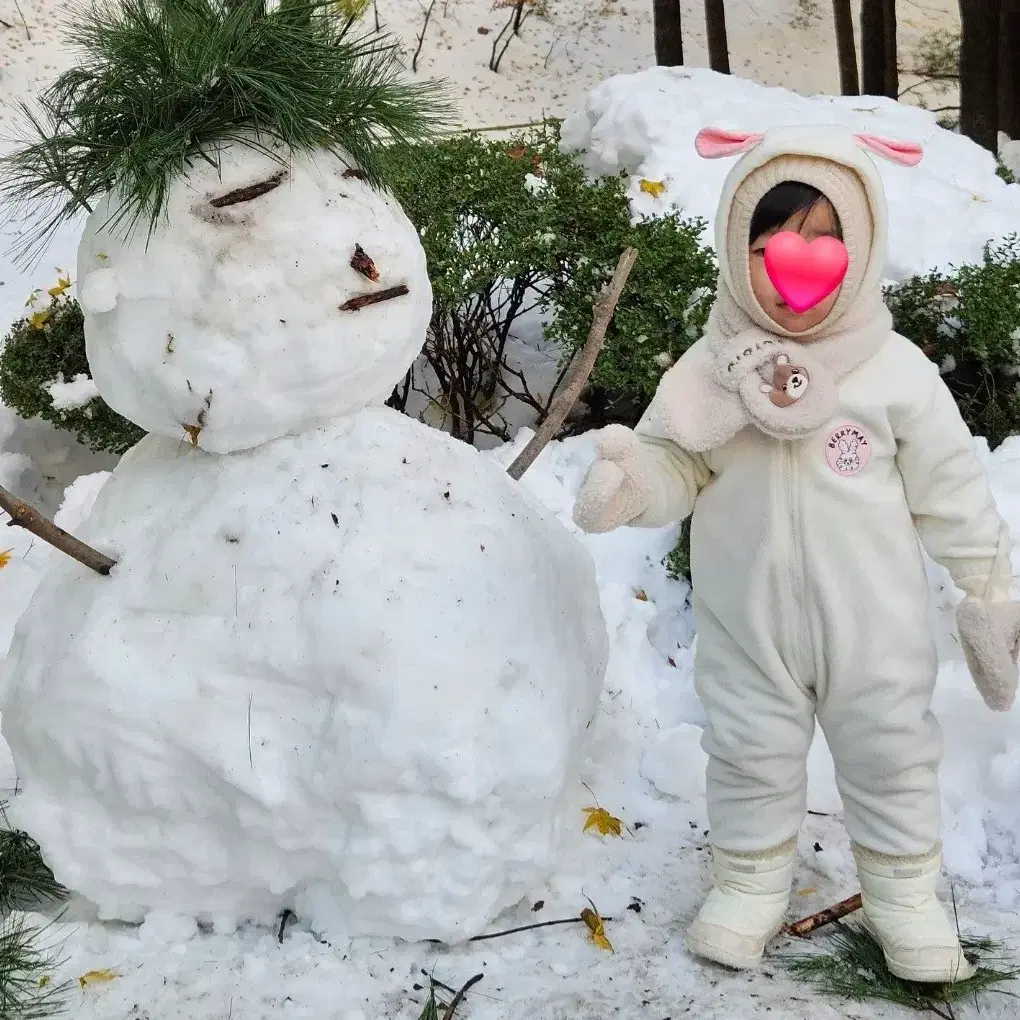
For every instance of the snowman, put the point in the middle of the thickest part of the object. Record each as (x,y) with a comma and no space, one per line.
(343,665)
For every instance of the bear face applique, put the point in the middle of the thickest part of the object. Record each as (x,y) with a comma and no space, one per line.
(789,382)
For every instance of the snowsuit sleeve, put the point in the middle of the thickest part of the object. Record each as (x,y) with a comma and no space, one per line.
(674,476)
(948,493)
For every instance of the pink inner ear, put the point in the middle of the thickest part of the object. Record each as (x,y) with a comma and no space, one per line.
(903,153)
(714,143)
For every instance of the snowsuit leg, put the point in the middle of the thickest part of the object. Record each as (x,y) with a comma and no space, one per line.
(886,745)
(759,731)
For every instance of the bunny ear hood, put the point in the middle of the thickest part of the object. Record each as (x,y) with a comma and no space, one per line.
(731,379)
(833,160)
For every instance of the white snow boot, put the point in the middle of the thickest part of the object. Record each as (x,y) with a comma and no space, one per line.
(903,913)
(747,907)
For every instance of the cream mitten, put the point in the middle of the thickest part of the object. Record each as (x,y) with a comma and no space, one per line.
(904,915)
(746,908)
(990,635)
(616,489)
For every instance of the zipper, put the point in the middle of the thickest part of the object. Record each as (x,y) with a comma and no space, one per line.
(796,574)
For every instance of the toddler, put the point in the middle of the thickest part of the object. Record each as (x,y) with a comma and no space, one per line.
(813,449)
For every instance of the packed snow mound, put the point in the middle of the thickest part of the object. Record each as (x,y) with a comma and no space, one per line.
(350,671)
(941,212)
(227,323)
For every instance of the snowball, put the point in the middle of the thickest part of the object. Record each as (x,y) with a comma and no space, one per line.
(98,291)
(68,395)
(228,319)
(361,659)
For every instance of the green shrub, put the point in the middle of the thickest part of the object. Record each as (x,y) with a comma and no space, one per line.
(484,210)
(678,560)
(517,223)
(968,322)
(1005,173)
(47,345)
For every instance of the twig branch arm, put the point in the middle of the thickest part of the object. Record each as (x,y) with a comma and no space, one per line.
(24,516)
(603,314)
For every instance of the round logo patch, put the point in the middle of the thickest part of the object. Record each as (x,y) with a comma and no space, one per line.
(848,449)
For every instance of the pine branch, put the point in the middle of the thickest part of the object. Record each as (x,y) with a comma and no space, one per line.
(160,83)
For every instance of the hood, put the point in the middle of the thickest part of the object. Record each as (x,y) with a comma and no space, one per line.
(836,162)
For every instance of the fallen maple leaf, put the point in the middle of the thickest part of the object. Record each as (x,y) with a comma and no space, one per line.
(602,822)
(97,977)
(641,595)
(653,188)
(5,557)
(597,928)
(63,283)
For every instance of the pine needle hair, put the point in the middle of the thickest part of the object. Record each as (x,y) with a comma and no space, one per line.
(159,84)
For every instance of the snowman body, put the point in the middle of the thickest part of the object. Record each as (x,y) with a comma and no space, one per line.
(344,664)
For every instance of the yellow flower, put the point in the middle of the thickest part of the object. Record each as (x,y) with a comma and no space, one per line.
(5,558)
(39,319)
(653,188)
(63,283)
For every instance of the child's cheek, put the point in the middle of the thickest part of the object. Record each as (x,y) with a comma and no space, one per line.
(761,285)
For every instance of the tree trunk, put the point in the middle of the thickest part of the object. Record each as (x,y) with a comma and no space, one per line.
(979,72)
(892,71)
(879,73)
(715,25)
(873,47)
(669,40)
(1009,71)
(846,48)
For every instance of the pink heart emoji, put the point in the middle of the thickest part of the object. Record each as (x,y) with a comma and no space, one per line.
(805,274)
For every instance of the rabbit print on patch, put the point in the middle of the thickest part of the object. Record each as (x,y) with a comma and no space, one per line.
(847,450)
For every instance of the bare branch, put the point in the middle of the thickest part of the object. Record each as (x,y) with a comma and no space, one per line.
(421,36)
(828,916)
(603,314)
(459,997)
(24,516)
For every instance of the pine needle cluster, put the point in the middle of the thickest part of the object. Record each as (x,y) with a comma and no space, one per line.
(161,83)
(27,991)
(854,968)
(25,878)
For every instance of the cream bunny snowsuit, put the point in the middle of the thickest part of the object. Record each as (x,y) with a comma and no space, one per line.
(809,586)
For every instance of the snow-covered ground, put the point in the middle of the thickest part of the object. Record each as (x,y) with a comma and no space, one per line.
(565,48)
(644,762)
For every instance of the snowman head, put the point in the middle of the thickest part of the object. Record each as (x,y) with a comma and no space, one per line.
(238,230)
(274,294)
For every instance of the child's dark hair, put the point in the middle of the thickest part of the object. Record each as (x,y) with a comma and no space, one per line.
(781,204)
